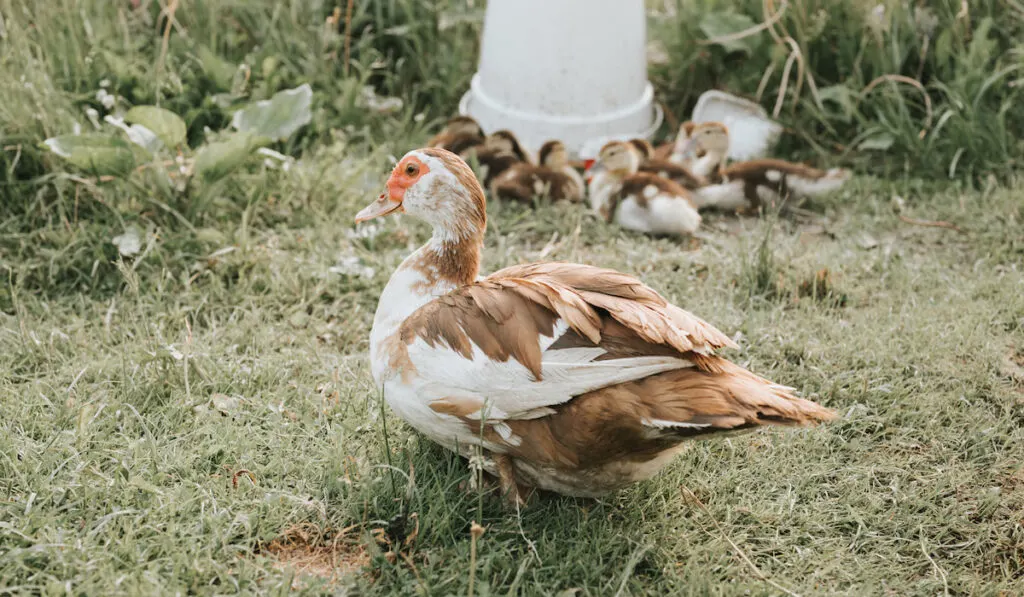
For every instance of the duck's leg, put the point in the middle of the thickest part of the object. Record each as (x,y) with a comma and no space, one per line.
(507,479)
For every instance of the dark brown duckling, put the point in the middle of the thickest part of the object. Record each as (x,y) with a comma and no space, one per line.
(554,177)
(500,151)
(458,135)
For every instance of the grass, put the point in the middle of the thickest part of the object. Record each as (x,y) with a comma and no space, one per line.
(200,418)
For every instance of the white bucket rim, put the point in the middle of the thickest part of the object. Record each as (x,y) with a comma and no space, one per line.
(476,93)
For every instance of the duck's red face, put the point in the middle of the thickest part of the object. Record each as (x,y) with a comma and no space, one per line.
(408,171)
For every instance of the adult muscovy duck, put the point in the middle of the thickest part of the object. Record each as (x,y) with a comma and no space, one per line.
(570,378)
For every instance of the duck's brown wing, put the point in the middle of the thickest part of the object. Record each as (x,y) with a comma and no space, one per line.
(533,344)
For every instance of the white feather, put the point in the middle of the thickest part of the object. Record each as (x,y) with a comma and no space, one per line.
(806,187)
(664,214)
(727,195)
(665,424)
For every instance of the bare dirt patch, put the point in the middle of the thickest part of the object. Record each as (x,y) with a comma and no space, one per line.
(307,550)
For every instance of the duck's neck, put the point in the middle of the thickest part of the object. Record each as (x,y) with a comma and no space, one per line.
(445,263)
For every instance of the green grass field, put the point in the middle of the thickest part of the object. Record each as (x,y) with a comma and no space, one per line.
(199,417)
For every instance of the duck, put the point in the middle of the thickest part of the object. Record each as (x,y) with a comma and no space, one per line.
(554,177)
(563,377)
(665,168)
(640,201)
(748,184)
(458,135)
(500,151)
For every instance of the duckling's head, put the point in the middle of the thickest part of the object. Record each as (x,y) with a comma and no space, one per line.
(505,141)
(553,154)
(644,147)
(709,137)
(463,125)
(619,157)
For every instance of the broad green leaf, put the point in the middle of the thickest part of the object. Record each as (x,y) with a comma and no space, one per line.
(217,160)
(95,153)
(879,142)
(166,125)
(277,117)
(720,24)
(137,134)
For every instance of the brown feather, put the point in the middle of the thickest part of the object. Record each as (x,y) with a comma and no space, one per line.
(506,313)
(680,175)
(618,426)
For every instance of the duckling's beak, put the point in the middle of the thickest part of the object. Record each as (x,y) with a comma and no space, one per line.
(596,167)
(383,206)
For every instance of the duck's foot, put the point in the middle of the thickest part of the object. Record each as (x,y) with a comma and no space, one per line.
(510,490)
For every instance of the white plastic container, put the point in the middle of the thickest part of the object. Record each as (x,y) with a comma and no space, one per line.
(752,134)
(573,70)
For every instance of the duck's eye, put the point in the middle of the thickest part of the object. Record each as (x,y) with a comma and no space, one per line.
(411,169)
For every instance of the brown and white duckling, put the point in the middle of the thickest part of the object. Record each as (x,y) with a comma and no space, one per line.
(554,178)
(639,201)
(558,376)
(751,183)
(458,135)
(665,168)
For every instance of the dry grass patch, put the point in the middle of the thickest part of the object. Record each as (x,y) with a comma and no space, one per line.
(309,551)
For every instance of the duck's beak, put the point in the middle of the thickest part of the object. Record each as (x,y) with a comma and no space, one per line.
(595,168)
(383,206)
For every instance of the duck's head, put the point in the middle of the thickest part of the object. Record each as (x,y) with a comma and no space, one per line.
(644,147)
(438,187)
(553,154)
(505,141)
(463,125)
(619,158)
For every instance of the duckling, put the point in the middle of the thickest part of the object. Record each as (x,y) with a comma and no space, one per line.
(554,177)
(665,168)
(458,135)
(500,151)
(748,184)
(639,201)
(505,141)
